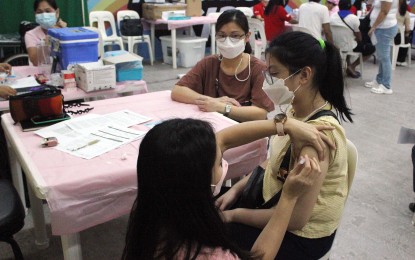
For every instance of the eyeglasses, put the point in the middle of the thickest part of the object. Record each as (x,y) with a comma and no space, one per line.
(221,37)
(270,79)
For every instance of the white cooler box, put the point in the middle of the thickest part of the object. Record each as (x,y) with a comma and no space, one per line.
(189,50)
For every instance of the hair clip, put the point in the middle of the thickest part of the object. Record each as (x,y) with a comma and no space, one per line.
(322,43)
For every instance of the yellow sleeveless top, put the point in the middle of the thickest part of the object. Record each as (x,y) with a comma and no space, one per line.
(328,210)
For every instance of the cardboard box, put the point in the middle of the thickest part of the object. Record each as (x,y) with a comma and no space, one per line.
(128,66)
(194,8)
(93,76)
(154,11)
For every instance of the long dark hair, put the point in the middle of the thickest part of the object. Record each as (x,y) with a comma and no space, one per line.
(236,16)
(345,5)
(174,210)
(358,4)
(50,2)
(273,3)
(296,50)
(403,7)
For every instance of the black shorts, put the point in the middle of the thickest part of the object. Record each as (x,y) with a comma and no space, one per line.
(292,246)
(366,49)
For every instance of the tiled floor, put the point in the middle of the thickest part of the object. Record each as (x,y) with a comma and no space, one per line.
(376,223)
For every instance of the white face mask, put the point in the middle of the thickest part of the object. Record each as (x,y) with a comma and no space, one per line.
(278,92)
(216,187)
(229,49)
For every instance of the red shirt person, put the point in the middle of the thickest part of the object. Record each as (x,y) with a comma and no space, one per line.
(275,17)
(259,9)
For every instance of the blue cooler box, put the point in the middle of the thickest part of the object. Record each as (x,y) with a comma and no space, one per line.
(73,45)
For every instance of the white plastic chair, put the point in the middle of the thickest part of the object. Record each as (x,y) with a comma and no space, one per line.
(342,37)
(352,159)
(248,12)
(395,48)
(100,45)
(224,8)
(255,25)
(131,41)
(97,19)
(21,59)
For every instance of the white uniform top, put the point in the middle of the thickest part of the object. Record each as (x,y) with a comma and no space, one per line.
(390,19)
(312,16)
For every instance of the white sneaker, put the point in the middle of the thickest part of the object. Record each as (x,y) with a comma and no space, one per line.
(381,90)
(372,84)
(402,64)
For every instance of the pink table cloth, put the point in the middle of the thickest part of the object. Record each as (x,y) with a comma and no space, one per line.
(174,24)
(135,87)
(84,193)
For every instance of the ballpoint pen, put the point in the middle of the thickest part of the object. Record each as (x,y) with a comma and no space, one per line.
(85,145)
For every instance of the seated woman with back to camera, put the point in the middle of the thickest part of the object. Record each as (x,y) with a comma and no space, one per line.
(229,83)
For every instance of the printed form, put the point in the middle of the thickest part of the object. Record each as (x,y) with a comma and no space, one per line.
(92,135)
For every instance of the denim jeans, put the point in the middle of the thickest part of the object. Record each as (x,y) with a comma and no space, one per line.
(384,39)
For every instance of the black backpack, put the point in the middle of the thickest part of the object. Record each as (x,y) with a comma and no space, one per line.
(131,27)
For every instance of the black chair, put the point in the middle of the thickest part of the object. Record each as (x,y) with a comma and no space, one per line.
(12,216)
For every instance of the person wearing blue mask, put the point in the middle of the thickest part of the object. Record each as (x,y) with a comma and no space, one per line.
(47,16)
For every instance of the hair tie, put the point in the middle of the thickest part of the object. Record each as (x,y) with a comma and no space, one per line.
(322,43)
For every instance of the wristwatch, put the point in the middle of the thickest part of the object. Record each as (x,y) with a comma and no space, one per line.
(279,121)
(228,109)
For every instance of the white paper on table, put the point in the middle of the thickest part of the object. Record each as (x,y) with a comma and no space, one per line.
(24,83)
(406,136)
(126,118)
(88,123)
(92,135)
(104,140)
(60,130)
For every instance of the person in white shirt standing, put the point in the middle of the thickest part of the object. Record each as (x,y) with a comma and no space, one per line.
(384,28)
(315,17)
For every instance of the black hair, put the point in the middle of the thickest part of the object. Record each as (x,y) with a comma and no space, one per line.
(345,5)
(358,4)
(238,17)
(296,50)
(272,4)
(403,7)
(174,210)
(50,2)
